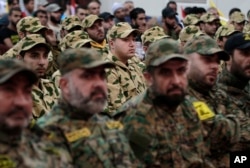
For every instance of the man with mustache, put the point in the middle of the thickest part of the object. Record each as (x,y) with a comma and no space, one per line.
(34,52)
(161,123)
(236,74)
(19,147)
(92,24)
(205,56)
(125,80)
(92,140)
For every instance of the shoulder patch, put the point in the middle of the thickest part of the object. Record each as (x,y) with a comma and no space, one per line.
(6,162)
(204,112)
(114,125)
(82,133)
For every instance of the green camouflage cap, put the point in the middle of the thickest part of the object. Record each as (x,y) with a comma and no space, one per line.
(75,39)
(208,17)
(225,30)
(31,41)
(187,33)
(87,58)
(90,20)
(153,34)
(162,51)
(121,30)
(238,17)
(11,67)
(191,19)
(29,24)
(204,45)
(70,22)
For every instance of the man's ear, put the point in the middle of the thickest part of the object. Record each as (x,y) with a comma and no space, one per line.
(148,77)
(64,86)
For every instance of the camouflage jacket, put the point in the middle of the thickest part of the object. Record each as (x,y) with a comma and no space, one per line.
(228,135)
(92,140)
(235,88)
(29,151)
(56,78)
(44,97)
(124,82)
(162,137)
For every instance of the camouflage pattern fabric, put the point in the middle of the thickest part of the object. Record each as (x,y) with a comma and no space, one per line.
(44,97)
(161,137)
(75,39)
(208,17)
(124,82)
(225,126)
(191,19)
(224,31)
(91,142)
(13,51)
(29,24)
(90,20)
(188,32)
(56,78)
(153,34)
(70,22)
(246,28)
(237,17)
(28,150)
(120,30)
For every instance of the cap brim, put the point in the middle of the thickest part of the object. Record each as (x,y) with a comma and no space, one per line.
(222,54)
(128,32)
(106,64)
(36,29)
(164,59)
(30,74)
(98,19)
(244,46)
(28,48)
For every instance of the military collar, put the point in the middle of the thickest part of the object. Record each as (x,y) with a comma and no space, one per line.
(229,79)
(114,59)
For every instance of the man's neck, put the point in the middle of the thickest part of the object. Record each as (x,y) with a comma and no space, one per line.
(11,27)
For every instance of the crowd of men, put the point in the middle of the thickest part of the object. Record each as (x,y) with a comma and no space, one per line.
(123,89)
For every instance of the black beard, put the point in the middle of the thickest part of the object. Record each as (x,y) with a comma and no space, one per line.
(53,19)
(169,101)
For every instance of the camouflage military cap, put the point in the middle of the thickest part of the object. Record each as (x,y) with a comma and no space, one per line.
(121,30)
(187,33)
(71,22)
(238,17)
(87,58)
(191,19)
(162,51)
(31,41)
(153,34)
(205,46)
(75,39)
(225,30)
(208,17)
(29,24)
(11,67)
(90,20)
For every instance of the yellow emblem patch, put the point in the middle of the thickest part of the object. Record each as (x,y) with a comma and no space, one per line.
(204,112)
(247,36)
(82,133)
(114,125)
(6,162)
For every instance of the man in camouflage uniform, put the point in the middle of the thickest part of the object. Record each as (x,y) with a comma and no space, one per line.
(236,75)
(209,24)
(223,33)
(92,140)
(74,39)
(92,24)
(69,24)
(31,25)
(238,20)
(191,19)
(188,33)
(161,124)
(34,52)
(205,56)
(125,80)
(151,35)
(18,146)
